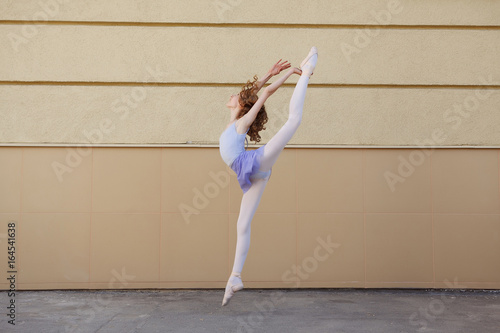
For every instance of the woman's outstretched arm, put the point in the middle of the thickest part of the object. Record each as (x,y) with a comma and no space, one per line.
(262,81)
(250,116)
(275,70)
(271,89)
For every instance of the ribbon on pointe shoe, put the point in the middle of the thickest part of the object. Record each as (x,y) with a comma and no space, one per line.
(233,288)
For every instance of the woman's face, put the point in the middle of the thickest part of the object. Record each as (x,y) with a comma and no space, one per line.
(233,102)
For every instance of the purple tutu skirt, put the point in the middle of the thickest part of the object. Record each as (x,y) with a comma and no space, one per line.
(246,165)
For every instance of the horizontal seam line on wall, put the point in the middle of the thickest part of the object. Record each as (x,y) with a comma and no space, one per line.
(255,25)
(256,214)
(211,145)
(210,84)
(217,281)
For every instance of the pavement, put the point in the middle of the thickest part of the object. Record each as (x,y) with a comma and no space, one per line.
(254,310)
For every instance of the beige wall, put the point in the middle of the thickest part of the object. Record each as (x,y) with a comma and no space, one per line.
(162,71)
(157,74)
(137,214)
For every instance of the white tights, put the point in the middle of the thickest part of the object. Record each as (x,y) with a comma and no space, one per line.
(272,149)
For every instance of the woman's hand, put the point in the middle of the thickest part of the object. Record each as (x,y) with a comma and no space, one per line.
(296,70)
(275,70)
(278,67)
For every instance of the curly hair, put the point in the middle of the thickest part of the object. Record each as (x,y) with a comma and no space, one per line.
(247,98)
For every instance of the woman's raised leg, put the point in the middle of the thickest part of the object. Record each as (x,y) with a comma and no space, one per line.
(278,142)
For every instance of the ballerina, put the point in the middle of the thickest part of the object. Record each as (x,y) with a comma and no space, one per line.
(253,167)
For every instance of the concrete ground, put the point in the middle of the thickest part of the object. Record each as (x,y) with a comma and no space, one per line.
(255,310)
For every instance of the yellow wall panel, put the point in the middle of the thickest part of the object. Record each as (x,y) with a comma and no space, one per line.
(400,12)
(163,115)
(221,55)
(79,79)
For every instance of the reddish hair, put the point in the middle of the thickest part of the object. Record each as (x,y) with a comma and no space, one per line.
(247,98)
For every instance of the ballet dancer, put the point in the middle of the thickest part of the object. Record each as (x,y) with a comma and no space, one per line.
(253,167)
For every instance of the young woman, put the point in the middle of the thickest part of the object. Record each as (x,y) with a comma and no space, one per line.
(253,167)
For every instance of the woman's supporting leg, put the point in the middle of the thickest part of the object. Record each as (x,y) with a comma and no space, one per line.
(249,204)
(274,147)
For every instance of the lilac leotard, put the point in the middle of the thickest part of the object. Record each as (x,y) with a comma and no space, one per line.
(245,163)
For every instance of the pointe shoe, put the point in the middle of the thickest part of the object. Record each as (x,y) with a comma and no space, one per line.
(312,52)
(231,289)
